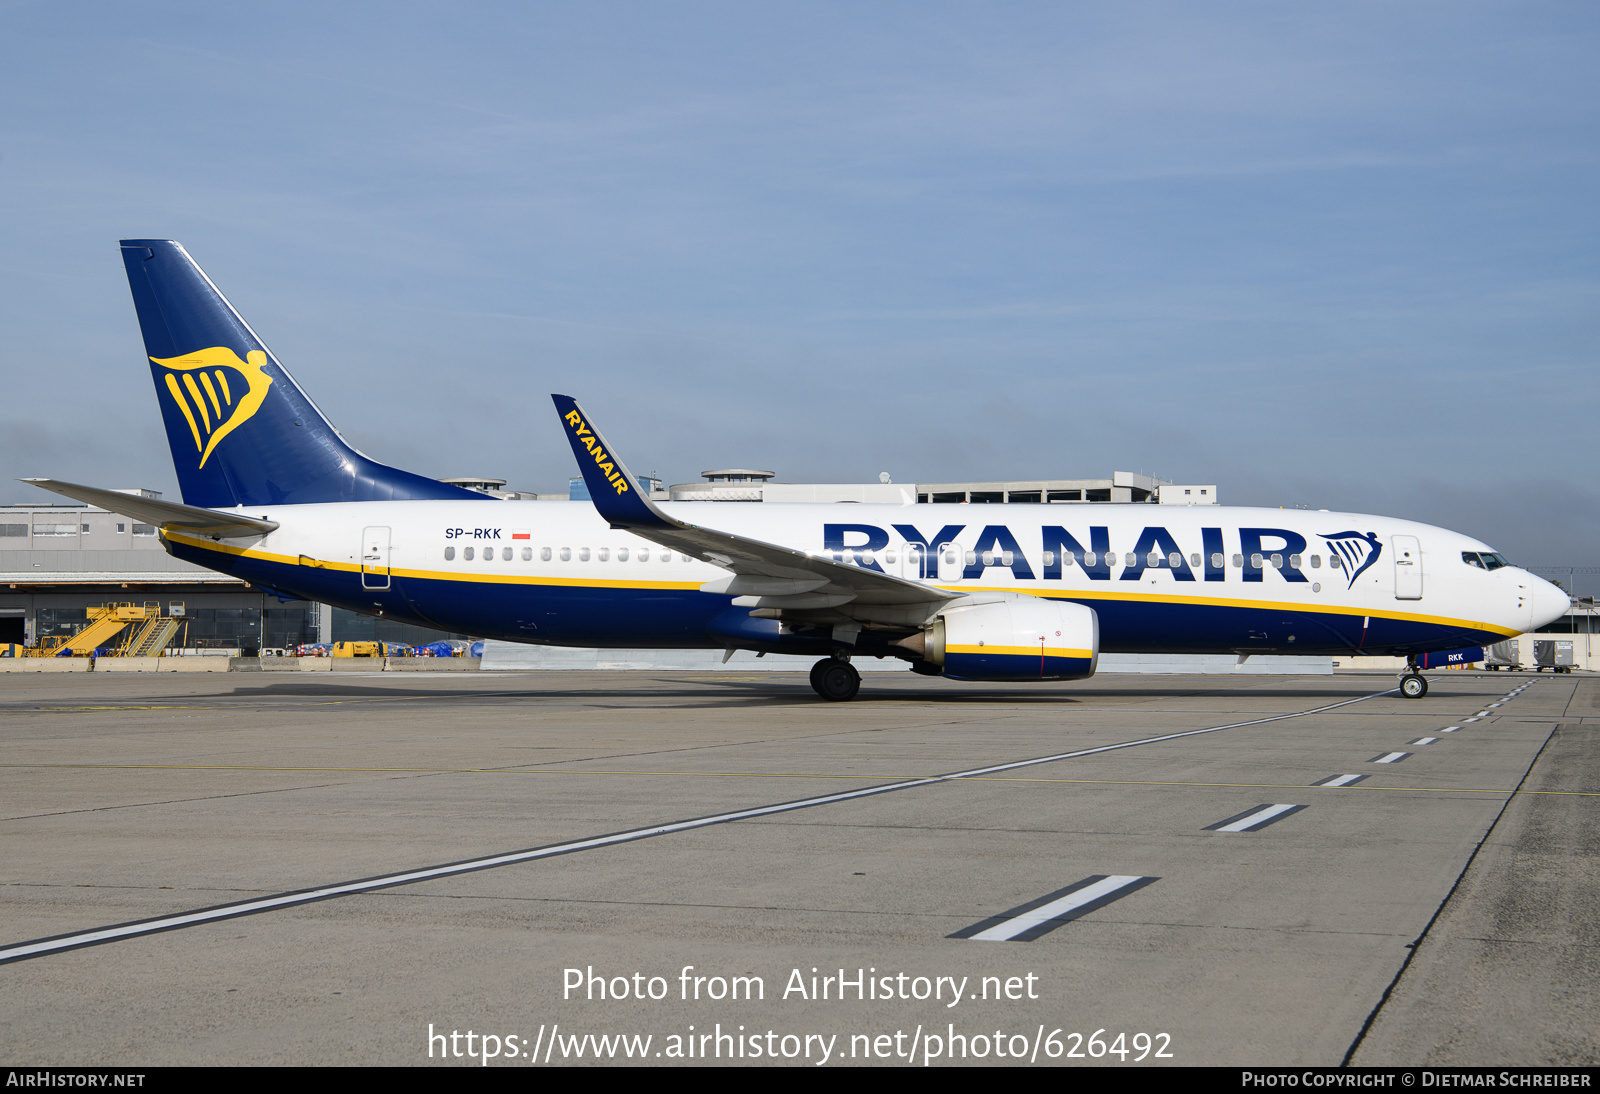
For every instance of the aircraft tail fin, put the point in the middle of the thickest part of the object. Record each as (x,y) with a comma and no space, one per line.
(242,432)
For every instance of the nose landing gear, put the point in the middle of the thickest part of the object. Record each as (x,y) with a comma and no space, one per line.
(1413,685)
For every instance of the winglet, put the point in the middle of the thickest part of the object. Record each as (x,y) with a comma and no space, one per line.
(615,491)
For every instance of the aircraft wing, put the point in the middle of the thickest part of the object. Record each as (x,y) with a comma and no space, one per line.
(163,514)
(765,573)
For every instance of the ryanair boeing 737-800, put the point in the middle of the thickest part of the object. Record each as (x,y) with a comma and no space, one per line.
(273,495)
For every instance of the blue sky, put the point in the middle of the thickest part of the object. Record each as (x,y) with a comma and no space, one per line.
(1337,257)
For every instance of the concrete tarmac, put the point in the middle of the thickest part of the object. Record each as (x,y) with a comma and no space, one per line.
(1441,909)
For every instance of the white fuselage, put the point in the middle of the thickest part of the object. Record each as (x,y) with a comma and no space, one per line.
(1145,568)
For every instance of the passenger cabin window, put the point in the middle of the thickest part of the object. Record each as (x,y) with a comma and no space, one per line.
(1316,562)
(1335,562)
(449,553)
(527,554)
(466,554)
(505,554)
(622,554)
(1216,562)
(604,554)
(544,554)
(583,554)
(566,554)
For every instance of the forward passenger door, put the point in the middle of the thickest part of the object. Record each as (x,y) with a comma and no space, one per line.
(1407,568)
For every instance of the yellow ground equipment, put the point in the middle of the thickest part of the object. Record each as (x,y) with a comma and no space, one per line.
(358,649)
(105,623)
(152,638)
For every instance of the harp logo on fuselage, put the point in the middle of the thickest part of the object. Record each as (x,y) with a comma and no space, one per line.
(216,392)
(1359,551)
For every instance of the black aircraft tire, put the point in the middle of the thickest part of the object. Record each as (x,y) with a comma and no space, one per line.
(1413,685)
(837,681)
(816,674)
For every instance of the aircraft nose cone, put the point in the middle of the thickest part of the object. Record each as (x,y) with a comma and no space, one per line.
(1549,602)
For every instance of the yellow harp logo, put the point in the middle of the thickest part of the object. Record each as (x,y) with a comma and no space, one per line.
(216,405)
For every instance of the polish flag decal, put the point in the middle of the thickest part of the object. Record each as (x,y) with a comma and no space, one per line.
(521,533)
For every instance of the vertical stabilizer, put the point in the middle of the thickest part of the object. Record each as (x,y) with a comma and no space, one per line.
(241,430)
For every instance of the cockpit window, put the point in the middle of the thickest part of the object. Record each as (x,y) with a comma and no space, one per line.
(1494,562)
(1471,559)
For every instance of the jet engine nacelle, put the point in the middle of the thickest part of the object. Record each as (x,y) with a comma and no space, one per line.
(1024,638)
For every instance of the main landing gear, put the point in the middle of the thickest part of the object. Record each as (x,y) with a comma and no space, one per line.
(835,680)
(1413,685)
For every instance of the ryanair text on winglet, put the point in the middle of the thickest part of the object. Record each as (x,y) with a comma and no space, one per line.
(587,438)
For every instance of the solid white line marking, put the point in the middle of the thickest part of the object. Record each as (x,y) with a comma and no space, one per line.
(1004,932)
(1423,741)
(119,931)
(1389,758)
(1449,729)
(1259,818)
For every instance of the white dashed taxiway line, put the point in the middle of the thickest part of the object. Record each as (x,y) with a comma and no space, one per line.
(1253,820)
(1036,918)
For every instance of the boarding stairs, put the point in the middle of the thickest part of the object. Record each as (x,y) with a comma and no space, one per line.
(153,637)
(105,623)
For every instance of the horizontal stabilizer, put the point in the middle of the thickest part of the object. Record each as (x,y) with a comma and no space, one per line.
(163,514)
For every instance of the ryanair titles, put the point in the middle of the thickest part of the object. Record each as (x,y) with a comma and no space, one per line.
(947,551)
(583,435)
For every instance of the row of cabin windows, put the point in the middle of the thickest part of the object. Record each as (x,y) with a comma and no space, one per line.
(546,554)
(953,557)
(1090,558)
(1484,561)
